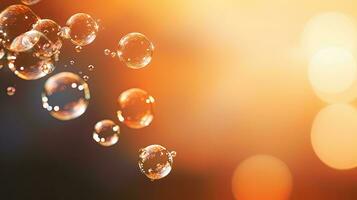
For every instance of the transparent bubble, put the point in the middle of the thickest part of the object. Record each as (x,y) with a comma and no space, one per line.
(30,2)
(66,96)
(50,29)
(29,67)
(91,67)
(106,52)
(71,62)
(10,91)
(113,54)
(78,49)
(14,21)
(135,108)
(155,161)
(106,133)
(135,50)
(64,33)
(85,78)
(35,41)
(83,29)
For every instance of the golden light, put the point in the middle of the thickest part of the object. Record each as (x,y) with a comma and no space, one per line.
(334,136)
(332,70)
(262,177)
(330,29)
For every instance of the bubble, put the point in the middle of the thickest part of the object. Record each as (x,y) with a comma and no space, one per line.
(262,177)
(29,67)
(113,54)
(71,62)
(35,41)
(83,29)
(135,50)
(50,29)
(30,2)
(10,91)
(91,67)
(14,21)
(65,33)
(135,108)
(106,133)
(106,52)
(66,96)
(85,78)
(78,49)
(155,161)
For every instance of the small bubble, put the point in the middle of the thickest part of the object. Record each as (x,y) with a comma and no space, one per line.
(113,54)
(10,90)
(71,62)
(78,49)
(85,78)
(106,52)
(65,33)
(106,133)
(90,67)
(80,72)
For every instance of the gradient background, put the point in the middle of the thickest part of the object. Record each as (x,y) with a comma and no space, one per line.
(229,82)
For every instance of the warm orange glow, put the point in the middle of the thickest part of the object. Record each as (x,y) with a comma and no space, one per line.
(262,177)
(334,136)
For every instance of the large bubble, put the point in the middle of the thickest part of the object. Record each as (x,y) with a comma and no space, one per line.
(135,50)
(106,133)
(14,21)
(66,96)
(83,29)
(155,161)
(135,108)
(28,59)
(51,30)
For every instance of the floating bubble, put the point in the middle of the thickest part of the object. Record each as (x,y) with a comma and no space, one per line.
(106,133)
(10,91)
(71,62)
(29,67)
(30,2)
(135,50)
(78,49)
(113,54)
(83,29)
(50,29)
(91,67)
(66,96)
(85,78)
(65,33)
(262,177)
(155,161)
(35,41)
(135,108)
(14,21)
(106,52)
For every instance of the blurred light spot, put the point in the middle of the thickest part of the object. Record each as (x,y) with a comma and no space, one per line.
(332,70)
(262,177)
(334,136)
(331,29)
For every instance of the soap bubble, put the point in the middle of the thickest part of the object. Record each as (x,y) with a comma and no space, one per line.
(28,67)
(10,91)
(106,52)
(91,67)
(65,96)
(135,50)
(83,29)
(14,21)
(155,161)
(113,54)
(71,62)
(106,133)
(78,49)
(64,33)
(50,29)
(135,108)
(85,78)
(35,41)
(30,2)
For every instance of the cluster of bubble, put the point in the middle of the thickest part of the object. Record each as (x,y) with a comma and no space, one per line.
(33,46)
(330,42)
